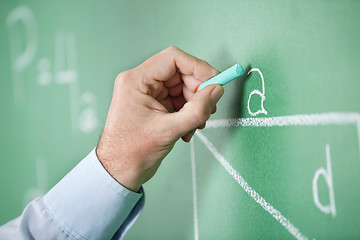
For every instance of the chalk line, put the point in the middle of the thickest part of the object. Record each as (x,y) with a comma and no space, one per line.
(193,171)
(251,192)
(333,118)
(358,128)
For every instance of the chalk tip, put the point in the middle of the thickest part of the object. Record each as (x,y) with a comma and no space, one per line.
(239,69)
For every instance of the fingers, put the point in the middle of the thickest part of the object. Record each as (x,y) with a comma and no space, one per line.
(178,102)
(166,63)
(187,137)
(178,75)
(168,104)
(176,91)
(196,111)
(214,110)
(191,83)
(173,81)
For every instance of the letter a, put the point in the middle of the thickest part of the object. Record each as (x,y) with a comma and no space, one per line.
(257,92)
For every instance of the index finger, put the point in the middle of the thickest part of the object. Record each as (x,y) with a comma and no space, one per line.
(163,65)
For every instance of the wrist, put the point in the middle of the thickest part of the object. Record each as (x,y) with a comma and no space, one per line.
(124,178)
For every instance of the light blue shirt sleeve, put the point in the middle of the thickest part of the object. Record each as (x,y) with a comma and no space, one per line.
(86,204)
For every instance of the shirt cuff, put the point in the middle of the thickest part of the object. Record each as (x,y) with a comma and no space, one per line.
(89,204)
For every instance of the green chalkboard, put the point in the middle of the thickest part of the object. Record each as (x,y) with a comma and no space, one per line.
(279,160)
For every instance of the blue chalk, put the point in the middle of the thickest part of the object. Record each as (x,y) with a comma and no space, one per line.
(224,77)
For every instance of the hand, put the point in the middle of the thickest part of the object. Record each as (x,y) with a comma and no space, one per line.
(153,105)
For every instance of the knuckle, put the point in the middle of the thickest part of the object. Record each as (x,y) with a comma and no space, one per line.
(173,48)
(123,77)
(120,77)
(202,62)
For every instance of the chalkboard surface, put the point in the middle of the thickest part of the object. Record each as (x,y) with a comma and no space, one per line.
(279,160)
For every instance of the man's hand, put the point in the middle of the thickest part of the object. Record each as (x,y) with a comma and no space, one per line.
(153,105)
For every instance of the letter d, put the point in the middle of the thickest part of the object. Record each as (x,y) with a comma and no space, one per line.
(327,174)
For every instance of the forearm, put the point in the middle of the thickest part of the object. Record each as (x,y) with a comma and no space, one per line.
(86,204)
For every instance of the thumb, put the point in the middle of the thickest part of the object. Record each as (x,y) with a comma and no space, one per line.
(196,111)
